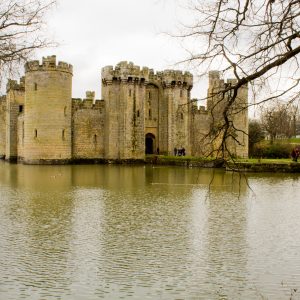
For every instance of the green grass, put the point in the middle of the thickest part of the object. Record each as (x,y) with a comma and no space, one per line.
(265,160)
(281,141)
(293,141)
(238,160)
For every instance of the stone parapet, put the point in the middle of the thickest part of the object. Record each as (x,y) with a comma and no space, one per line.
(78,103)
(15,85)
(48,64)
(127,71)
(174,77)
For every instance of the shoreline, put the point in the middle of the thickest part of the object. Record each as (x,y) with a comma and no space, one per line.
(251,165)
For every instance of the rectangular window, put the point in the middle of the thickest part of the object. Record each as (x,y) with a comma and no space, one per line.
(20,108)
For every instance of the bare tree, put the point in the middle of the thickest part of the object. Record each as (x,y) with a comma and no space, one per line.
(255,41)
(278,120)
(21,24)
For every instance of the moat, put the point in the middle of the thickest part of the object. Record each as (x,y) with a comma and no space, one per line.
(144,232)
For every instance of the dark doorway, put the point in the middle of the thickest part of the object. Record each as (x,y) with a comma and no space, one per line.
(150,143)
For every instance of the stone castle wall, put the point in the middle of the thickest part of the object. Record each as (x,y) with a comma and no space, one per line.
(88,129)
(200,128)
(14,105)
(140,111)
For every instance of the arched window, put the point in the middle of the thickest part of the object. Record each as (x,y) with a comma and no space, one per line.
(138,113)
(63,134)
(181,116)
(35,133)
(35,86)
(95,138)
(149,113)
(65,111)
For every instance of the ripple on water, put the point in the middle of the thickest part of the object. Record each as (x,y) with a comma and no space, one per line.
(108,232)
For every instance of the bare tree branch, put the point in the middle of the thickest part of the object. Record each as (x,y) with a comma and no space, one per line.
(21,24)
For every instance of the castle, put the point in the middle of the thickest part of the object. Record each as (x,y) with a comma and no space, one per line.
(141,112)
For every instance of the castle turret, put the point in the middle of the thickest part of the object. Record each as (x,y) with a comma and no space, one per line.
(123,89)
(177,86)
(48,89)
(237,113)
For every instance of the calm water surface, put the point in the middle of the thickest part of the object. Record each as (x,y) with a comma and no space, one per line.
(135,232)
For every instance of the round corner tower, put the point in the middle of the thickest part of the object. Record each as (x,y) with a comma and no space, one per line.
(48,92)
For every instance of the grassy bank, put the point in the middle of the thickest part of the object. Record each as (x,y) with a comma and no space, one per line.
(264,160)
(284,165)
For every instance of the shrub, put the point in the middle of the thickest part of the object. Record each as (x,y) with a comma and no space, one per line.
(276,150)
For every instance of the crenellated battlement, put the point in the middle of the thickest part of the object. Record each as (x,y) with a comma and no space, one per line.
(78,103)
(48,64)
(90,95)
(198,109)
(174,77)
(216,81)
(15,85)
(125,71)
(128,72)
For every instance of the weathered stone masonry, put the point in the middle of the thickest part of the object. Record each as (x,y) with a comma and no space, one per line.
(140,112)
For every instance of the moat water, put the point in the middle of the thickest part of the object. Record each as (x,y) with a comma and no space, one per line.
(135,232)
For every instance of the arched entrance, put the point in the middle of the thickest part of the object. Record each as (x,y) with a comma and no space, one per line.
(150,143)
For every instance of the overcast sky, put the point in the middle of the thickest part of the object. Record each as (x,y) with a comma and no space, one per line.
(95,33)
